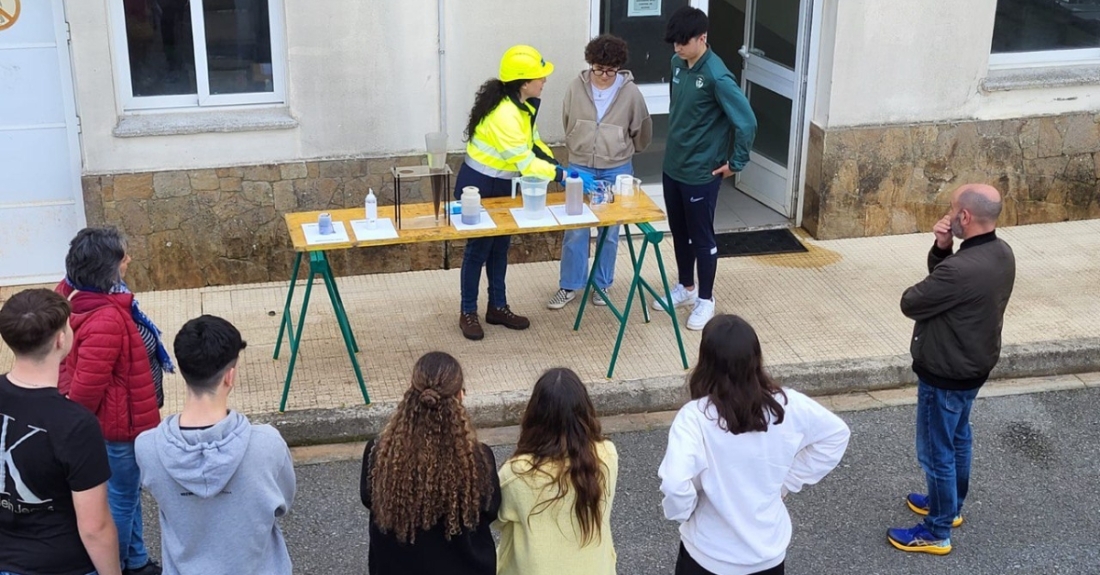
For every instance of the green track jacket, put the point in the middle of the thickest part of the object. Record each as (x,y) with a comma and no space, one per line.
(706,106)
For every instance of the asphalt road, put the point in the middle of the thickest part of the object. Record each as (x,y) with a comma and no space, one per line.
(1034,505)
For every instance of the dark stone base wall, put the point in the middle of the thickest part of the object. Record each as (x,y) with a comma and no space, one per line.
(194,228)
(871,181)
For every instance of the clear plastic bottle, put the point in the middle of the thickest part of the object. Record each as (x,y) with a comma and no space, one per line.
(371,209)
(574,194)
(471,205)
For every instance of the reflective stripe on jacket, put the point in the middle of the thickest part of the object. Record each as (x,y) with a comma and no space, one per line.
(506,143)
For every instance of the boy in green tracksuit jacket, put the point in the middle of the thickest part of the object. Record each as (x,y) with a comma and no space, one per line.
(706,106)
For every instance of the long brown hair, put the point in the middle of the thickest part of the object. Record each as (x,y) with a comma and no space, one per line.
(560,427)
(730,373)
(428,465)
(488,97)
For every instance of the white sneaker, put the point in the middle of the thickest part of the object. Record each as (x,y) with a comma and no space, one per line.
(704,310)
(597,300)
(562,297)
(680,297)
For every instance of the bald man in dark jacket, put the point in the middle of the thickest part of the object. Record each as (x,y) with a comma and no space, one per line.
(959,312)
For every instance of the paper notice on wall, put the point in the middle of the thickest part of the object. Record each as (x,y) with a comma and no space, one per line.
(643,8)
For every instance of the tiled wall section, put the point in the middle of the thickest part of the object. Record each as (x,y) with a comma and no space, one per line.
(872,181)
(224,226)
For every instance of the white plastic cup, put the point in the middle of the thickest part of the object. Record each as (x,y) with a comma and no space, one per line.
(436,144)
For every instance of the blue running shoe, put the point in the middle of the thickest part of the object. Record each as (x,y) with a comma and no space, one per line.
(918,503)
(917,539)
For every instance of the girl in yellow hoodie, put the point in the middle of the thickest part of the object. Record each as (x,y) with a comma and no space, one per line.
(558,487)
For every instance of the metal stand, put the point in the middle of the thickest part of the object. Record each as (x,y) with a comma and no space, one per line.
(438,179)
(318,266)
(638,287)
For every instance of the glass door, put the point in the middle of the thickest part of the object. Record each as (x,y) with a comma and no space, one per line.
(642,24)
(774,80)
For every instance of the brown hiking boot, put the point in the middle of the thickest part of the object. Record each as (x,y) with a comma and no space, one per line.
(504,316)
(470,326)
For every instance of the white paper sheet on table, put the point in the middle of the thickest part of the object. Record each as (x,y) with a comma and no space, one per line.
(486,223)
(314,237)
(384,230)
(586,216)
(542,219)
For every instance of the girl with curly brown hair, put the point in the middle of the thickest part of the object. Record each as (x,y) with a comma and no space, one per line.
(430,486)
(559,485)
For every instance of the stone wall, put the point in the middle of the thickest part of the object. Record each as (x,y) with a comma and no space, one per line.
(223,226)
(871,181)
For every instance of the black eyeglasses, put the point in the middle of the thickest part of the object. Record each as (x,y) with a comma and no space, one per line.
(605,71)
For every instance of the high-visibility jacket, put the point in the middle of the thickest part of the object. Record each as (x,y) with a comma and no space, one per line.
(506,143)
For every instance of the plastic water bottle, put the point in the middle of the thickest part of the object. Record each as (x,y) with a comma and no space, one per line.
(372,209)
(471,206)
(574,194)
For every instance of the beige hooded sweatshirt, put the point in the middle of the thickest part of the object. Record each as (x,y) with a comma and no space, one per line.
(626,127)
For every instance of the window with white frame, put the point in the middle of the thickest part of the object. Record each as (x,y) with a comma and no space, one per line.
(198,53)
(1045,32)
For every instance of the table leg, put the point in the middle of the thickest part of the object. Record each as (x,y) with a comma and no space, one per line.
(318,266)
(344,323)
(286,308)
(591,283)
(634,264)
(671,312)
(634,283)
(334,295)
(295,339)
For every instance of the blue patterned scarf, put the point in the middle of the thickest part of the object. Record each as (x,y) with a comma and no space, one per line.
(139,318)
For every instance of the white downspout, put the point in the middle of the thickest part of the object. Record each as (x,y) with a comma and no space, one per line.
(442,69)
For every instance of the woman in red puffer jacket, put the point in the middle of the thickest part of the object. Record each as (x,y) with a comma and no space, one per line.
(116,357)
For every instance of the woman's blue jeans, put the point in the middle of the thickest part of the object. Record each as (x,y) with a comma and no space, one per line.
(574,247)
(124,498)
(490,253)
(944,446)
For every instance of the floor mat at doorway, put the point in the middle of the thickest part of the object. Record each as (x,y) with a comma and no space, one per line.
(757,243)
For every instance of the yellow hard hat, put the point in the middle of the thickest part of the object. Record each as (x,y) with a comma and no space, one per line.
(523,63)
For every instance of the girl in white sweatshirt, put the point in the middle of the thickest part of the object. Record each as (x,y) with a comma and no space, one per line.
(735,451)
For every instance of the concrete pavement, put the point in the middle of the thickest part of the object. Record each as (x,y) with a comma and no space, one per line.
(1033,507)
(828,320)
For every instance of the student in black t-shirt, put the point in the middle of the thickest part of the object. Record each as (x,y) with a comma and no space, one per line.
(431,487)
(53,470)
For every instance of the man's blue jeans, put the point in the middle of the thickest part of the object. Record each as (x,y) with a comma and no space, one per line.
(124,497)
(574,248)
(944,448)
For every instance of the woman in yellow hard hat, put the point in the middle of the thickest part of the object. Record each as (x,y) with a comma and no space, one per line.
(502,143)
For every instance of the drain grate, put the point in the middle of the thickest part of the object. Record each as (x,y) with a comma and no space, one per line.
(756,243)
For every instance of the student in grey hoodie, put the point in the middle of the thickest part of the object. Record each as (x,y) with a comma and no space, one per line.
(221,483)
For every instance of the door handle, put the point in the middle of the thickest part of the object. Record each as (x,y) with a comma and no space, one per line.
(745,52)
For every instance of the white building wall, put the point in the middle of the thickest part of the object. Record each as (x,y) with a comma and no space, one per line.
(910,61)
(363,80)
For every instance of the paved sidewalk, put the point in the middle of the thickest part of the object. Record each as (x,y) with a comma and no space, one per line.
(828,320)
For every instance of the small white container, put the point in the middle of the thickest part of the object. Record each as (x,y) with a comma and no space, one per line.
(471,206)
